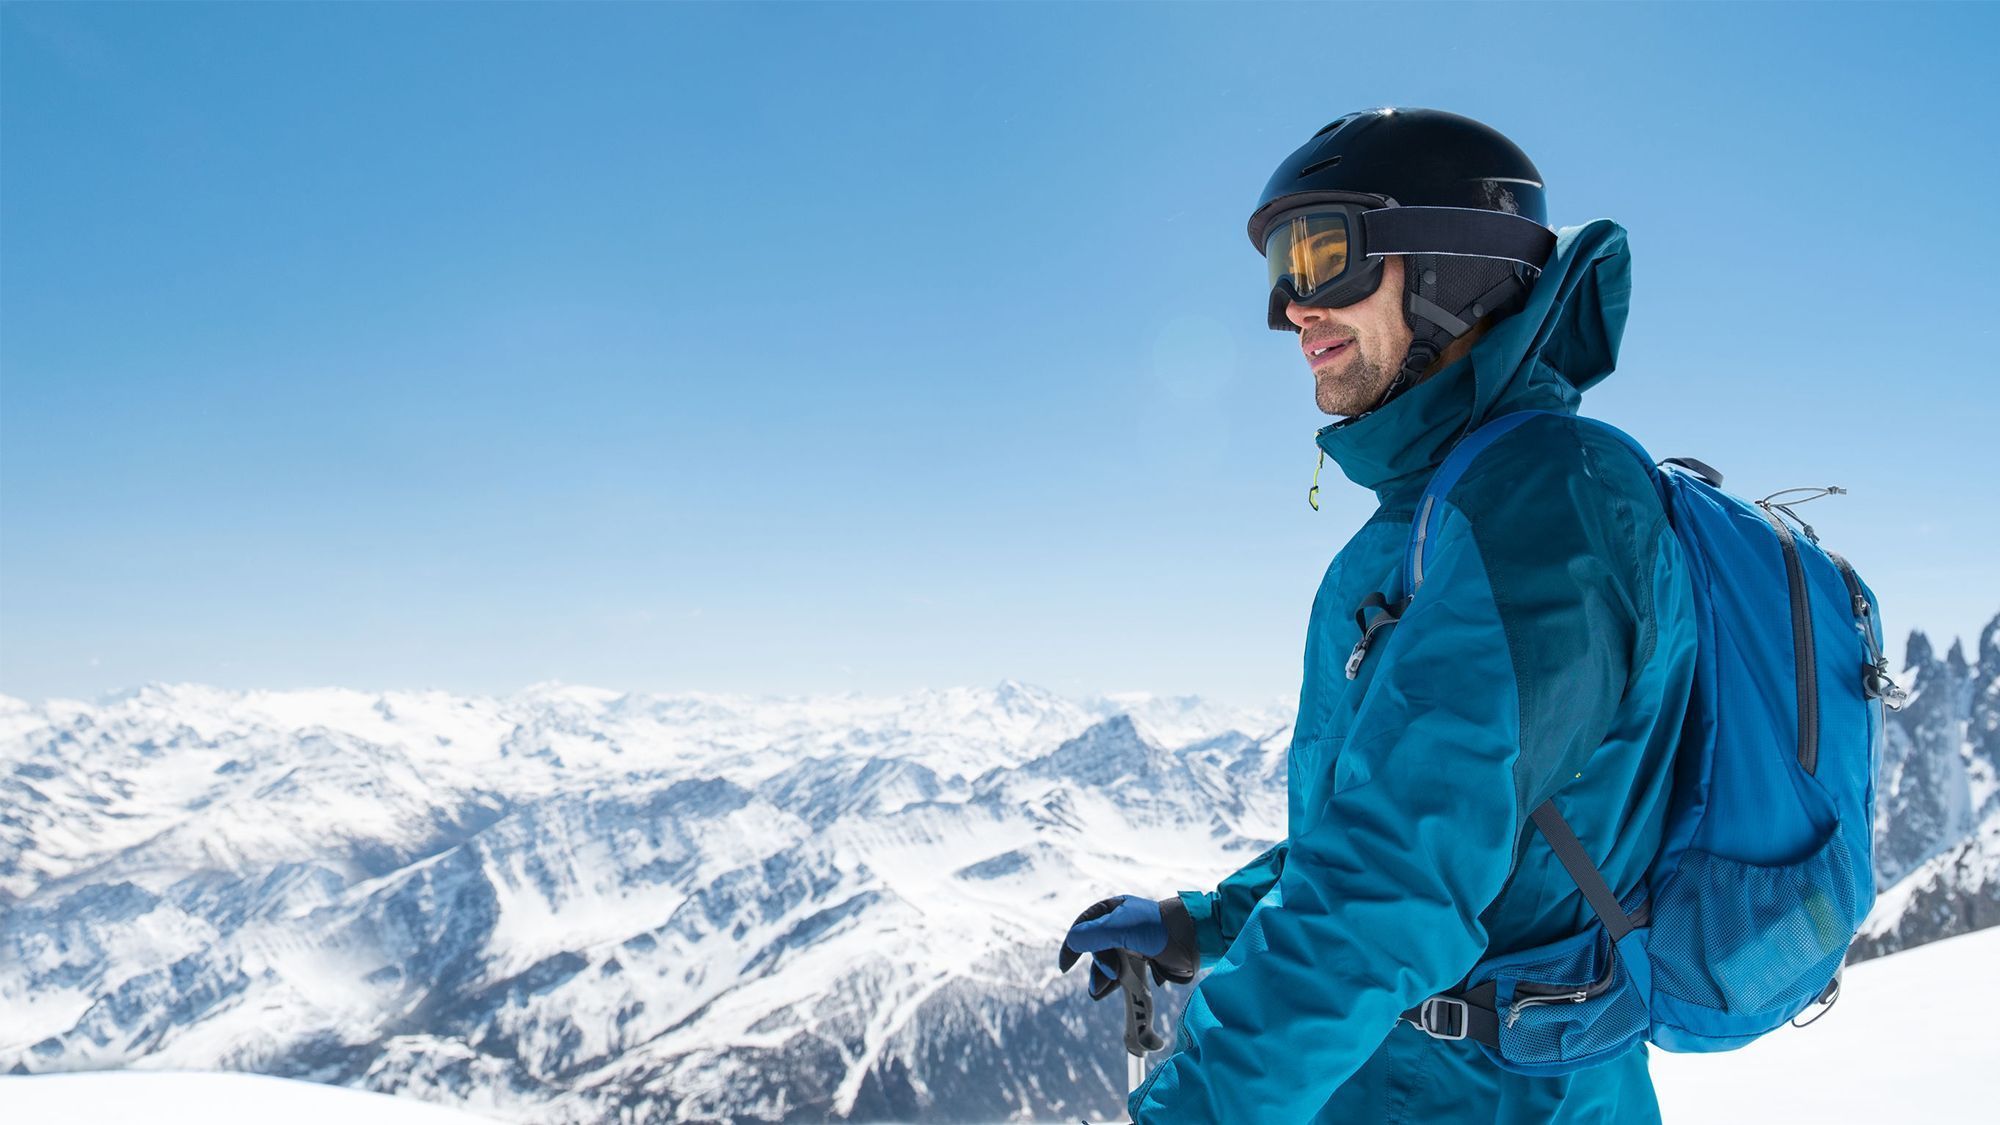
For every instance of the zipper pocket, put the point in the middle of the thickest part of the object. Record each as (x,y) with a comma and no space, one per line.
(1360,652)
(1802,642)
(1527,994)
(1383,616)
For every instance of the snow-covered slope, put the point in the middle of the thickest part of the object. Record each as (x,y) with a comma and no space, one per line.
(1907,1041)
(173,1098)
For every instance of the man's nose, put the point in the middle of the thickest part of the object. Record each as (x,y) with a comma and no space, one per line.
(1302,315)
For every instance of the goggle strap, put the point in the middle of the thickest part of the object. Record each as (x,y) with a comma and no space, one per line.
(1457,230)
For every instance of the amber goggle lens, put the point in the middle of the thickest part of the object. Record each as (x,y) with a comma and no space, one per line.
(1310,248)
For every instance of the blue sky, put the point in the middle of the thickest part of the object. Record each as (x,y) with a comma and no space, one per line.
(825,348)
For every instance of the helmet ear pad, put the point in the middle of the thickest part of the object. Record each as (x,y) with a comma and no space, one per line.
(1444,297)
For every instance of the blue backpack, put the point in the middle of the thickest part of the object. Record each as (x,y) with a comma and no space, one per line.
(1765,869)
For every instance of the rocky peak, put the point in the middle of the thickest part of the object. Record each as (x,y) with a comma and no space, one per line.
(1917,653)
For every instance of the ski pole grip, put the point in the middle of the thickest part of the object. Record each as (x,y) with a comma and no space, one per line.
(1140,1038)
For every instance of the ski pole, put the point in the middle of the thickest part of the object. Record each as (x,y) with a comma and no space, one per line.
(1140,1038)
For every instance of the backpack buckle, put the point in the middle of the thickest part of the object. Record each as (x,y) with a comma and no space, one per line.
(1430,1021)
(1877,684)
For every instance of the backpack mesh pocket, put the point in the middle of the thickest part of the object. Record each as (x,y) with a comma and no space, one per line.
(1745,938)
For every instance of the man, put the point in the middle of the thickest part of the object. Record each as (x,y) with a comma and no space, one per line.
(1547,652)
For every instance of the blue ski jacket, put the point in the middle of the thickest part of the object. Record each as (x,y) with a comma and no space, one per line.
(1549,652)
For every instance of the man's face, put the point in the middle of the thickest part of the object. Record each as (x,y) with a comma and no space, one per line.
(1368,340)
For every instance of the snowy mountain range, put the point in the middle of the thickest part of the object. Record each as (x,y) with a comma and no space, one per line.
(1937,819)
(572,905)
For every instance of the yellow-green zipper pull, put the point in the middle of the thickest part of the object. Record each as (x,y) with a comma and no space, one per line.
(1312,494)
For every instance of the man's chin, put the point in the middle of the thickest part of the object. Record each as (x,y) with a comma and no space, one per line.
(1340,401)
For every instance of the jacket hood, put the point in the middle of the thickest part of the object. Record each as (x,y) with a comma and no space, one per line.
(1563,341)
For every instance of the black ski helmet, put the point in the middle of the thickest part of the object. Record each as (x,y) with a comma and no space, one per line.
(1416,158)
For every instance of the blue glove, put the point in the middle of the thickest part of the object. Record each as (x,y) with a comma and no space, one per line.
(1160,931)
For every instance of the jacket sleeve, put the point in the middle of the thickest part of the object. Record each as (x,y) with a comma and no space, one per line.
(1522,626)
(1219,915)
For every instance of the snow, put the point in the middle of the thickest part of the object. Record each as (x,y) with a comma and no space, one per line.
(173,1098)
(1912,1038)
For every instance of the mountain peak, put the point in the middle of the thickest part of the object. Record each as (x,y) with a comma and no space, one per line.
(1918,652)
(1109,751)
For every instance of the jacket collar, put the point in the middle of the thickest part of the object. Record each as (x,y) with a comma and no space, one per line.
(1564,339)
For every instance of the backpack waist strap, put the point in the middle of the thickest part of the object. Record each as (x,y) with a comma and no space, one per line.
(1466,1015)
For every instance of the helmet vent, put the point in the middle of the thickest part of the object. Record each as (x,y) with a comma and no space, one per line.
(1318,166)
(1334,124)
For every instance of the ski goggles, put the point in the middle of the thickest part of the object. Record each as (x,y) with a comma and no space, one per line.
(1325,249)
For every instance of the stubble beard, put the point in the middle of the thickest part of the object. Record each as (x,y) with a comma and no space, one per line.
(1352,386)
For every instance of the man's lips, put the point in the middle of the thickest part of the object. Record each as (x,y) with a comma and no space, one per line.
(1333,350)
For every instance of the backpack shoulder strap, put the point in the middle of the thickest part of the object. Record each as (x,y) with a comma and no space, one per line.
(1583,871)
(1430,508)
(1430,514)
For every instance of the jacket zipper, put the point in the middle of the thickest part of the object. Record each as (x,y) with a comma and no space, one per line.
(1360,652)
(1802,642)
